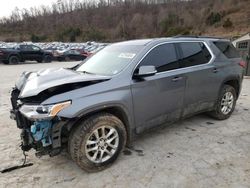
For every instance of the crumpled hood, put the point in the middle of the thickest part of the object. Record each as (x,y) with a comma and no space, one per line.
(32,83)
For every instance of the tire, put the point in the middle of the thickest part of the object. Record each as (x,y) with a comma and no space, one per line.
(47,59)
(39,60)
(67,58)
(227,94)
(84,132)
(13,60)
(6,62)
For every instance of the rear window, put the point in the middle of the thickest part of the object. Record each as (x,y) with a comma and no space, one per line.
(227,49)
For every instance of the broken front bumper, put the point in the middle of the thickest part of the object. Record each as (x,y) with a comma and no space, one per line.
(42,135)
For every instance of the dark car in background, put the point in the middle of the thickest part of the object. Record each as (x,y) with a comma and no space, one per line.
(69,55)
(24,52)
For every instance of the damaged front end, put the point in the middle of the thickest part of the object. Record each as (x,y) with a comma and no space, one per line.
(41,128)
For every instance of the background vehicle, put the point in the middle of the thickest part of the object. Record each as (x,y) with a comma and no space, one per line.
(69,55)
(99,106)
(59,50)
(24,52)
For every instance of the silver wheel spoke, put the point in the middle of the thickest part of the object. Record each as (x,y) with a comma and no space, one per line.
(223,103)
(103,132)
(101,156)
(92,149)
(110,133)
(227,103)
(112,146)
(91,142)
(223,109)
(108,152)
(96,133)
(111,139)
(95,155)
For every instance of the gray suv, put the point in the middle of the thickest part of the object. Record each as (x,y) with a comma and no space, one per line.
(96,108)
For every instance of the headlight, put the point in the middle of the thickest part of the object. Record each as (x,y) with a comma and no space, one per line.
(43,111)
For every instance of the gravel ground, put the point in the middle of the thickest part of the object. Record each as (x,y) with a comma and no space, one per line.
(196,152)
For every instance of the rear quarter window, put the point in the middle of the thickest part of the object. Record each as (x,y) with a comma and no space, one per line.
(194,53)
(227,49)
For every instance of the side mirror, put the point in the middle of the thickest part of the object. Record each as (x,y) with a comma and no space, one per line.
(144,71)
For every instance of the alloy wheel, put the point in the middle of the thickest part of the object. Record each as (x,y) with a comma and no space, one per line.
(102,144)
(227,103)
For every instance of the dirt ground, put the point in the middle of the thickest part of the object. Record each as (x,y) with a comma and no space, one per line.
(197,152)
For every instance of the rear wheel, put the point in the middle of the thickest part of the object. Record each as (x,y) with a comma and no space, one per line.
(47,59)
(96,143)
(39,60)
(13,60)
(67,58)
(225,104)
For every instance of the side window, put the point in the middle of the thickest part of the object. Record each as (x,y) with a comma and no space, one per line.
(194,53)
(22,47)
(35,48)
(26,48)
(76,52)
(163,57)
(227,49)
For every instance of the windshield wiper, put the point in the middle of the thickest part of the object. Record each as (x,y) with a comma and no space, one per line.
(86,72)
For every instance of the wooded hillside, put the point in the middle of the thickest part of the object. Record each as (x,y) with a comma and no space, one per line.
(114,20)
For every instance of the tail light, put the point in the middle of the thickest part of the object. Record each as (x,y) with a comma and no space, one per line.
(243,64)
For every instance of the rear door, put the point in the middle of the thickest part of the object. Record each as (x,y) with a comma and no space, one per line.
(158,99)
(203,81)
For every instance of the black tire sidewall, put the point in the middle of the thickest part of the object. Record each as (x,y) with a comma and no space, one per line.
(11,59)
(67,58)
(47,59)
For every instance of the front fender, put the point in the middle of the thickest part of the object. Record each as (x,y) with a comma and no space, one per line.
(83,105)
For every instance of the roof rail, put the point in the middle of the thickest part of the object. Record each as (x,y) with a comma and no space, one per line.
(195,36)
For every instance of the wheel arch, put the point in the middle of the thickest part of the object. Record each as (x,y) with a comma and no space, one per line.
(234,82)
(14,54)
(117,110)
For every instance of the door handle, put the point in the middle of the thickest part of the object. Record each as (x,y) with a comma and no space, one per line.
(215,70)
(176,79)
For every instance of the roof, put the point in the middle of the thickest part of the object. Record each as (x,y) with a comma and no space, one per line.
(144,42)
(139,42)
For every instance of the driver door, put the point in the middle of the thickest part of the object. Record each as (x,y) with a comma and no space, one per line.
(158,99)
(36,52)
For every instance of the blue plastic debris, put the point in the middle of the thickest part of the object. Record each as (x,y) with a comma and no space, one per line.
(40,132)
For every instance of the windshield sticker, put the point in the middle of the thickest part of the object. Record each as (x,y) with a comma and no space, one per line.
(127,55)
